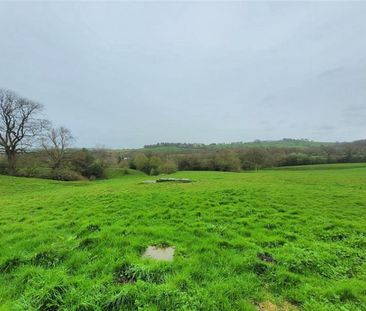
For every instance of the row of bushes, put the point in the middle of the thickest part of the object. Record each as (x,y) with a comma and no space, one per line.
(91,164)
(249,158)
(78,165)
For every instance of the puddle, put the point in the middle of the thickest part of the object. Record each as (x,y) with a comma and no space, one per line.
(182,180)
(164,254)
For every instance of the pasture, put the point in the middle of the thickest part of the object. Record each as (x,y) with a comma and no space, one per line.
(268,240)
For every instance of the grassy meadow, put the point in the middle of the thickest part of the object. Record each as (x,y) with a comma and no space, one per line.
(287,239)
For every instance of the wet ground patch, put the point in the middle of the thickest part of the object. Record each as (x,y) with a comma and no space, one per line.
(159,253)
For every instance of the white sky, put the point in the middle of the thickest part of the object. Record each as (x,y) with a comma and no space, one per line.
(126,74)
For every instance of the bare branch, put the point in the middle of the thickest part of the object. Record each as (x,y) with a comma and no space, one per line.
(55,143)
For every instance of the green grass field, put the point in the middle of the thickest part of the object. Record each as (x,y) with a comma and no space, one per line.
(244,241)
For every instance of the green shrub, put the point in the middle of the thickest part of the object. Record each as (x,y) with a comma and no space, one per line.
(141,163)
(168,167)
(95,170)
(154,172)
(3,166)
(33,171)
(66,175)
(84,163)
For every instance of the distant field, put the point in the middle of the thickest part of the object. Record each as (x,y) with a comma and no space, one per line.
(244,241)
(337,166)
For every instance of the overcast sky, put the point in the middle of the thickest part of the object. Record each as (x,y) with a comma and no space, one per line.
(128,74)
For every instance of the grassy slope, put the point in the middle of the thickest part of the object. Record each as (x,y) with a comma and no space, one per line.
(312,223)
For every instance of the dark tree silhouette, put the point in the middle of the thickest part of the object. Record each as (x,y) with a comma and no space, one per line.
(19,125)
(55,142)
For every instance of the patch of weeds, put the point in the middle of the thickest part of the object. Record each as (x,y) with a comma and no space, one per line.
(273,243)
(270,226)
(330,227)
(88,243)
(84,307)
(246,234)
(224,244)
(93,228)
(10,265)
(270,306)
(199,232)
(347,291)
(290,237)
(183,284)
(123,301)
(266,257)
(129,273)
(197,275)
(260,268)
(338,237)
(47,259)
(125,274)
(283,279)
(161,244)
(333,236)
(89,229)
(53,299)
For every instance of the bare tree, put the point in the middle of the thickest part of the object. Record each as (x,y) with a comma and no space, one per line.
(55,143)
(19,125)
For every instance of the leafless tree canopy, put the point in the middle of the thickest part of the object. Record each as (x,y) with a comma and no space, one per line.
(55,143)
(19,124)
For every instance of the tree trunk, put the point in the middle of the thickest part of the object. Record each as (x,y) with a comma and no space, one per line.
(12,160)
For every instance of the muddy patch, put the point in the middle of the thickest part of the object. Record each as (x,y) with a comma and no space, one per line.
(266,257)
(159,253)
(181,180)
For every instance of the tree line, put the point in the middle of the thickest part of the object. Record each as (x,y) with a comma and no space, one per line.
(243,158)
(32,147)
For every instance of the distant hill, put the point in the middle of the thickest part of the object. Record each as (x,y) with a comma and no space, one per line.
(283,143)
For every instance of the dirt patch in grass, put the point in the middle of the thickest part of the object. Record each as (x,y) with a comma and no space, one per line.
(266,257)
(125,274)
(160,253)
(270,306)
